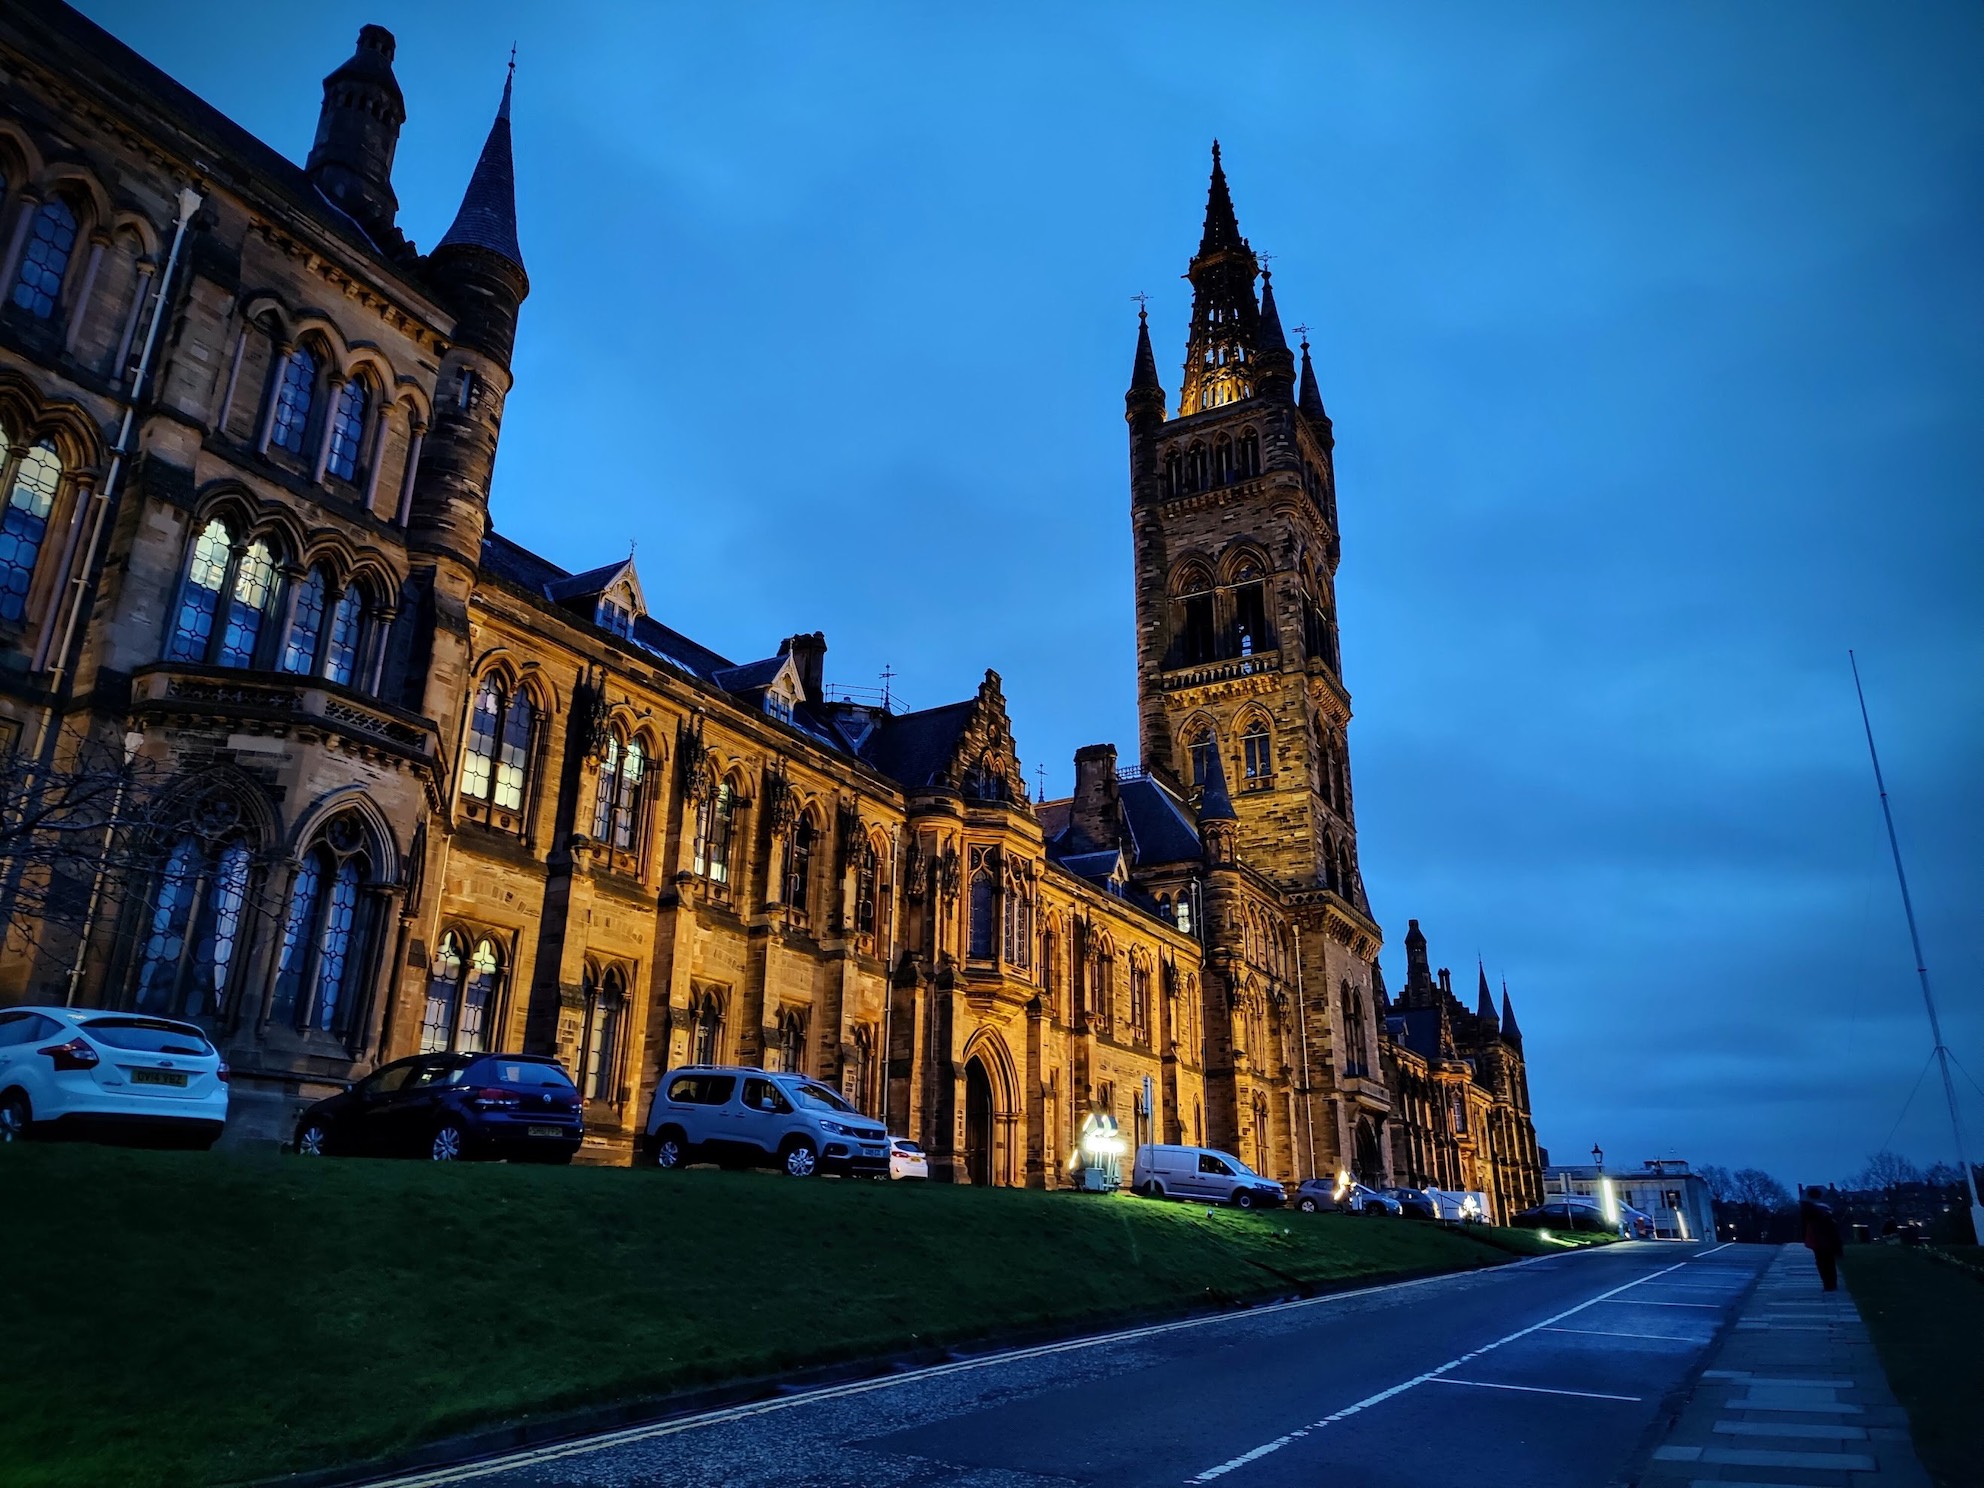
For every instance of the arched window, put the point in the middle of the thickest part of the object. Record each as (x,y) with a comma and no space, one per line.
(1140,999)
(984,914)
(306,629)
(320,970)
(1185,910)
(616,812)
(1198,1124)
(599,1059)
(1247,456)
(247,604)
(193,932)
(1222,461)
(1019,923)
(501,729)
(715,818)
(706,1029)
(1050,969)
(1102,985)
(867,871)
(247,577)
(1256,754)
(1252,632)
(294,395)
(1261,1157)
(31,486)
(1199,746)
(788,1050)
(341,645)
(1174,473)
(199,598)
(1196,470)
(1194,617)
(51,240)
(461,996)
(860,1071)
(348,429)
(799,865)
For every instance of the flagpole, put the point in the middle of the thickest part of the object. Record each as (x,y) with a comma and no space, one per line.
(1921,965)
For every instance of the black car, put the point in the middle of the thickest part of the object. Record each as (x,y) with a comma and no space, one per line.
(1415,1203)
(1562,1215)
(449,1107)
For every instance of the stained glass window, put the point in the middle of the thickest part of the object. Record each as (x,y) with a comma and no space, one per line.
(25,523)
(254,585)
(299,650)
(479,763)
(45,260)
(227,895)
(609,782)
(293,398)
(443,983)
(165,937)
(514,757)
(983,904)
(628,797)
(347,429)
(199,598)
(477,998)
(341,652)
(336,965)
(713,827)
(297,934)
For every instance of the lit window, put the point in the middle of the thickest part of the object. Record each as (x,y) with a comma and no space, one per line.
(193,932)
(294,395)
(714,821)
(599,1060)
(444,976)
(616,812)
(479,762)
(299,650)
(984,910)
(336,944)
(341,651)
(1258,757)
(799,865)
(25,523)
(298,927)
(347,429)
(45,260)
(1201,749)
(254,586)
(199,598)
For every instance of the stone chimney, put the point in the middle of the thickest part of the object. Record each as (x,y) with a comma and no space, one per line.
(1097,815)
(809,654)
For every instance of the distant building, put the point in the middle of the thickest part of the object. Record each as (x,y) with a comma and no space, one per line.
(1666,1188)
(422,790)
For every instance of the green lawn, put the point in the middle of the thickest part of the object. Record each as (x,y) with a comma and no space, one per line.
(181,1318)
(1926,1318)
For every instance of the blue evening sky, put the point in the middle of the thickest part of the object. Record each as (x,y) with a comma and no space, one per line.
(1654,339)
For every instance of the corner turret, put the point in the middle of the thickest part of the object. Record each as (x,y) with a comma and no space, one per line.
(358,132)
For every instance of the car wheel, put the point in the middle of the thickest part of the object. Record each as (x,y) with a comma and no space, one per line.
(450,1144)
(799,1160)
(1307,1206)
(16,1116)
(1243,1198)
(312,1140)
(670,1151)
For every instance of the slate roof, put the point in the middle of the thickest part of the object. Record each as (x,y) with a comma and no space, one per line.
(914,748)
(750,675)
(488,215)
(584,585)
(1160,827)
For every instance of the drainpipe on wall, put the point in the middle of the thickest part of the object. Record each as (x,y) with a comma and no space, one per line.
(889,968)
(1308,1093)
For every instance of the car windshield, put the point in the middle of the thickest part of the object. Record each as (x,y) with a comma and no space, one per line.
(528,1072)
(148,1035)
(903,1144)
(818,1098)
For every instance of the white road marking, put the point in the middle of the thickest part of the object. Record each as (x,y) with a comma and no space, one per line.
(1615,1333)
(1714,1248)
(1532,1389)
(1256,1453)
(529,1457)
(1637,1302)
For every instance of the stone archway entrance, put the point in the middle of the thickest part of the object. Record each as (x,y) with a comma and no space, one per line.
(1370,1163)
(978,1123)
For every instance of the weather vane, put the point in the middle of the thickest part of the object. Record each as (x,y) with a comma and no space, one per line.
(1143,301)
(1303,332)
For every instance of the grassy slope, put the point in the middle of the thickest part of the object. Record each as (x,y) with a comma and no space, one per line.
(1926,1318)
(180,1317)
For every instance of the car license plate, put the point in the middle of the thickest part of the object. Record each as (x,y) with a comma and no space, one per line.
(544,1131)
(176,1078)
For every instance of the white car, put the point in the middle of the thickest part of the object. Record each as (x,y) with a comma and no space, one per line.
(907,1160)
(88,1070)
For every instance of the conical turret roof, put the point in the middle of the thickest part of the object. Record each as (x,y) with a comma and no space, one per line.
(488,215)
(1215,802)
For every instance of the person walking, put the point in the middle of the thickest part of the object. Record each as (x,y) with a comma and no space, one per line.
(1821,1235)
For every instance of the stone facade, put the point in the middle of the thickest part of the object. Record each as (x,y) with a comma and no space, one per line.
(387,782)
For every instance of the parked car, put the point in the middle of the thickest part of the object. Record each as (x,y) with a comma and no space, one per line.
(760,1118)
(1565,1214)
(451,1107)
(1415,1203)
(89,1072)
(907,1160)
(1169,1172)
(1636,1224)
(1320,1195)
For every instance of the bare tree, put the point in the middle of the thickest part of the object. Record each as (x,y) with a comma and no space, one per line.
(1757,1190)
(1720,1183)
(1888,1169)
(1944,1175)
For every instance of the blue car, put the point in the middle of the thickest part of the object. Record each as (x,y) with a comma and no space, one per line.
(450,1108)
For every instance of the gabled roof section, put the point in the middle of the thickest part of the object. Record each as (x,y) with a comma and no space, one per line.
(967,747)
(756,676)
(1160,826)
(916,748)
(595,582)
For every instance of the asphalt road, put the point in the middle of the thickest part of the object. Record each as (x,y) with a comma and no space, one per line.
(1532,1375)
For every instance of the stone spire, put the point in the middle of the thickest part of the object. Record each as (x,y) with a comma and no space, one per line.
(358,131)
(1225,336)
(1509,1029)
(1145,399)
(1310,400)
(1276,378)
(488,215)
(1484,1004)
(1418,975)
(1215,802)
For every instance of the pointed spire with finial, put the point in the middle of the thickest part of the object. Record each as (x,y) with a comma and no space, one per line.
(1276,378)
(1146,394)
(1224,340)
(1310,398)
(1215,801)
(1484,1005)
(488,215)
(1509,1029)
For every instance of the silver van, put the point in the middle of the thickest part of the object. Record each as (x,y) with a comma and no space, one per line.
(740,1117)
(1166,1172)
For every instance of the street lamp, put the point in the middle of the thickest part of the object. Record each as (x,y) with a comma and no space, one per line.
(1597,1156)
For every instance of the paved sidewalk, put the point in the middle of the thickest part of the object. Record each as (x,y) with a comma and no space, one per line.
(1794,1397)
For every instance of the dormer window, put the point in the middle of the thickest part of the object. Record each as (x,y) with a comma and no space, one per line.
(616,619)
(778,705)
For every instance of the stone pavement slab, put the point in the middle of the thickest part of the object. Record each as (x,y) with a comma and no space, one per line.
(1794,1398)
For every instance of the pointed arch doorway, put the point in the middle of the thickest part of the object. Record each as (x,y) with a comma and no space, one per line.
(978,1123)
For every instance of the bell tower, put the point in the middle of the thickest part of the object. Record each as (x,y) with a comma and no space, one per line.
(1240,694)
(1233,505)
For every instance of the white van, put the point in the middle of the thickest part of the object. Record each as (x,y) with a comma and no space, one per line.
(1202,1173)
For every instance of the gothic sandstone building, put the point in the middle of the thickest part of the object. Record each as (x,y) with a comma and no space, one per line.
(386,782)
